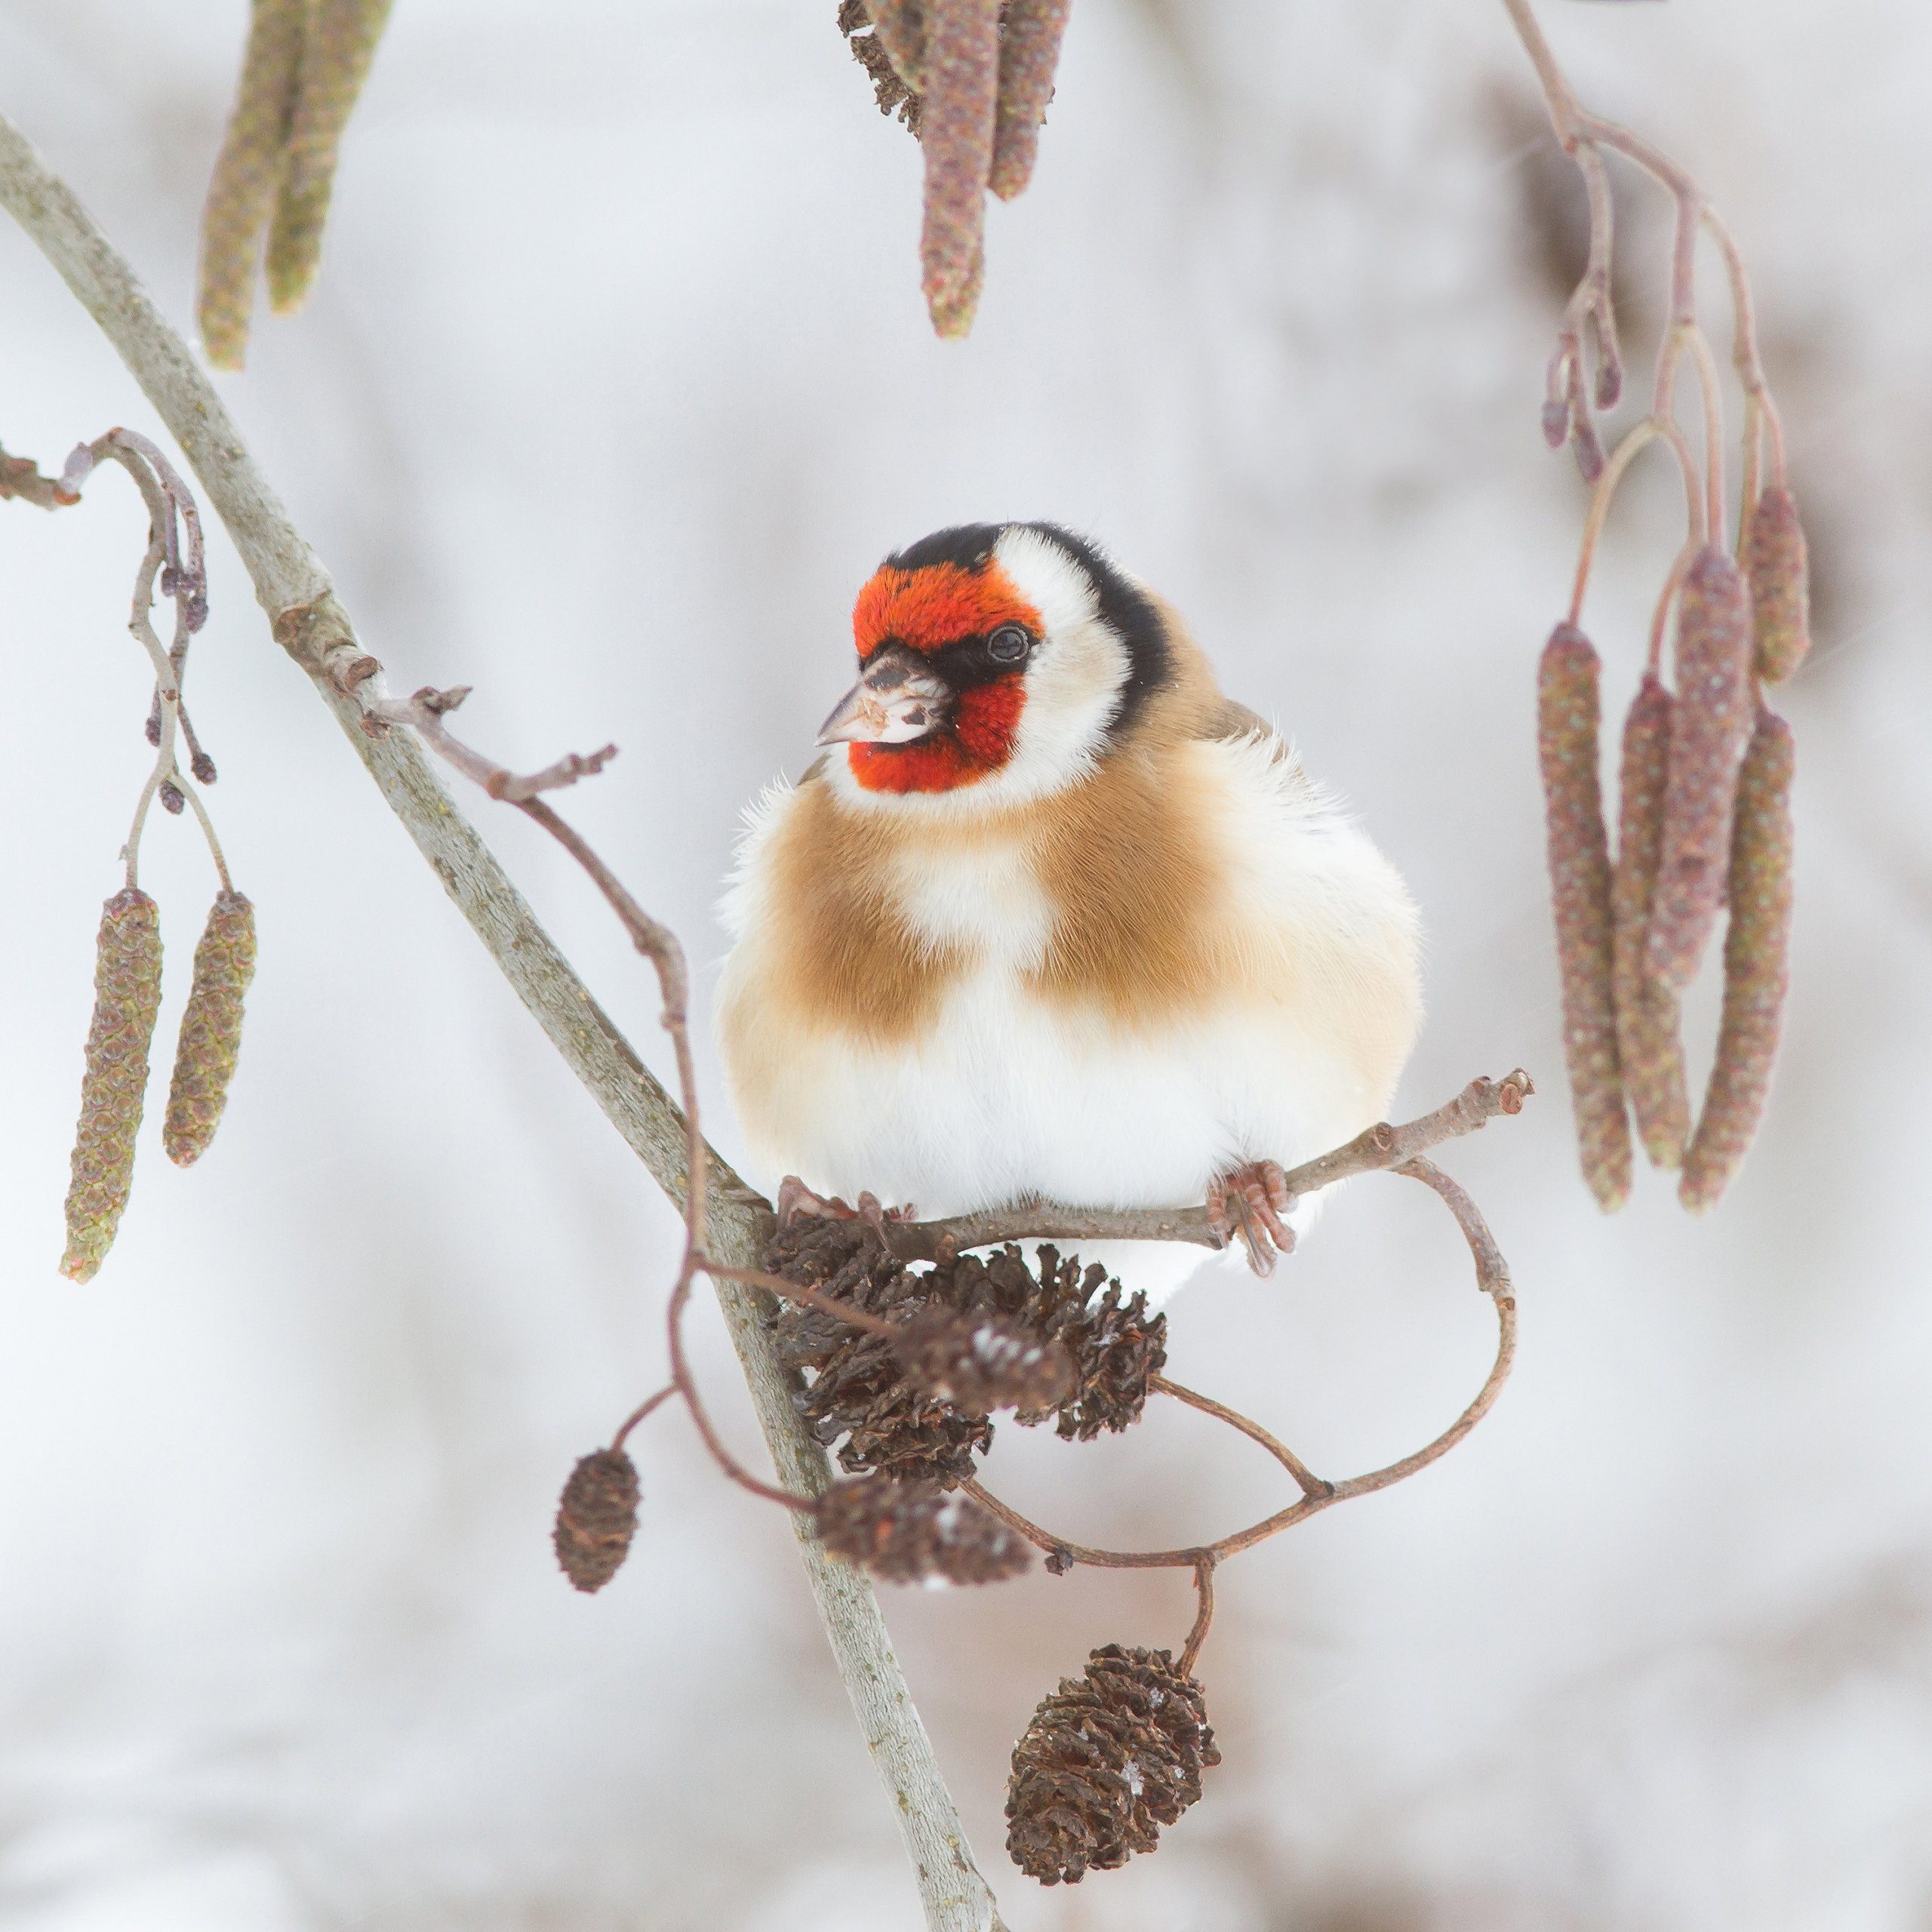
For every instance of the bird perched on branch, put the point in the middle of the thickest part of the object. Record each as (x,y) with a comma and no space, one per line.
(1052,917)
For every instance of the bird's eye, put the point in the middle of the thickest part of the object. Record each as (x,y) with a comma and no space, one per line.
(1008,644)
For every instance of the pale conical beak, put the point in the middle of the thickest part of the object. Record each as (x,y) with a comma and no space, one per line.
(897,700)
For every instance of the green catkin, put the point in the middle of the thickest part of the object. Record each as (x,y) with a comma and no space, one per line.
(1779,568)
(247,175)
(1567,712)
(1757,970)
(1028,53)
(211,1029)
(336,54)
(1650,1046)
(959,97)
(1708,731)
(127,987)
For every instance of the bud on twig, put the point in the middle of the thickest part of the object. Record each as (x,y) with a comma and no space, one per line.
(980,1363)
(127,998)
(914,1532)
(1108,1759)
(1567,713)
(1756,966)
(336,56)
(596,1519)
(1707,739)
(211,1029)
(1776,561)
(1650,1046)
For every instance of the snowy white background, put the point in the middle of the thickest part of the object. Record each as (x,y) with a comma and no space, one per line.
(616,387)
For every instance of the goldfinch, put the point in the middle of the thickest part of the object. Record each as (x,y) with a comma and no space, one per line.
(1052,917)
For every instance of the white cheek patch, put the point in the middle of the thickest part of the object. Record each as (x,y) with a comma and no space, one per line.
(1075,681)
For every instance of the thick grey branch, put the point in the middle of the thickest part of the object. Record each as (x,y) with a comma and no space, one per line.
(295,591)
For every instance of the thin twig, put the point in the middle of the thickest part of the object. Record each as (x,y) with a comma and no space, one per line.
(1374,1149)
(1203,1586)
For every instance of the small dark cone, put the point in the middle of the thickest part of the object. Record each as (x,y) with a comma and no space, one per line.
(1778,567)
(1757,968)
(1108,1759)
(1567,714)
(980,1363)
(1709,731)
(596,1519)
(1116,1346)
(869,49)
(210,1038)
(127,999)
(914,1533)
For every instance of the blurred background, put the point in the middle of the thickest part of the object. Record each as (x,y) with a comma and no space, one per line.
(616,385)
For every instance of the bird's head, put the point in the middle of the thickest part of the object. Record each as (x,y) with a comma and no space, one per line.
(998,663)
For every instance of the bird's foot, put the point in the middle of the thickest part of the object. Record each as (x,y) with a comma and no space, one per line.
(1254,1202)
(796,1201)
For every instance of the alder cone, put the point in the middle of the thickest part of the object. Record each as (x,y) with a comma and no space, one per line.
(1757,972)
(596,1519)
(916,1532)
(210,1038)
(984,1362)
(891,1420)
(1567,717)
(1109,1758)
(1650,1044)
(114,1086)
(1709,731)
(1777,562)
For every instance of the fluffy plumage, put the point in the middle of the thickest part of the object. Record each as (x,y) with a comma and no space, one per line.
(1108,953)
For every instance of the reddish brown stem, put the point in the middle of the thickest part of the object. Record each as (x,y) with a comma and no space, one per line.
(1203,1586)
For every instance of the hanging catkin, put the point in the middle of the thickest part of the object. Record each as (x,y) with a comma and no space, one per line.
(1650,1047)
(1776,562)
(1756,965)
(1029,53)
(1709,731)
(211,1029)
(1567,710)
(127,987)
(956,131)
(246,174)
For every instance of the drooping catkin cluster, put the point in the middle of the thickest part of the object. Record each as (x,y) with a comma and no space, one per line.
(916,1533)
(1568,709)
(596,1519)
(1703,823)
(303,69)
(1111,1757)
(972,79)
(210,1038)
(114,1088)
(1067,1344)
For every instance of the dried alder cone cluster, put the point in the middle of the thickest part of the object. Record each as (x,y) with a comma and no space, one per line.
(901,1367)
(1704,810)
(303,67)
(128,953)
(971,79)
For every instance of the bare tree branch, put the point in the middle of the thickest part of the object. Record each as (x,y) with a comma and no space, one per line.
(294,590)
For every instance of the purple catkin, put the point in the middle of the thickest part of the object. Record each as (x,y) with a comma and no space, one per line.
(1776,562)
(1757,971)
(1709,731)
(1567,720)
(1650,1047)
(1028,53)
(247,174)
(336,54)
(114,1089)
(956,131)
